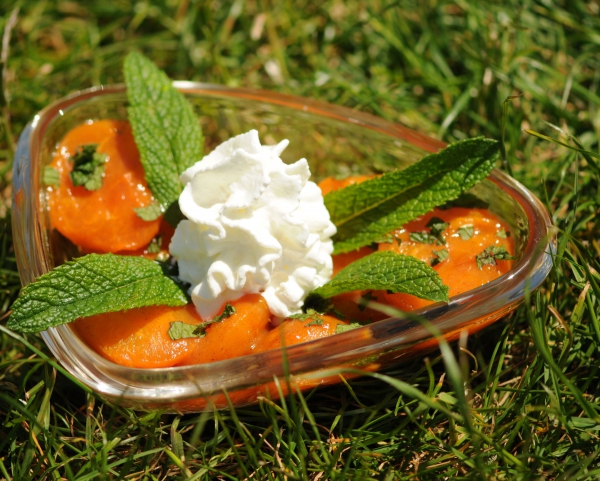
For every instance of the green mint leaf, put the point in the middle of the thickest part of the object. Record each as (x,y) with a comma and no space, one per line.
(436,225)
(439,256)
(347,327)
(166,130)
(149,212)
(305,316)
(492,254)
(466,232)
(155,245)
(227,312)
(502,233)
(316,322)
(436,228)
(181,330)
(51,177)
(367,211)
(385,270)
(423,237)
(90,285)
(88,167)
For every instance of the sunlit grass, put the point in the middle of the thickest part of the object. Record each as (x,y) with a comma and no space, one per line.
(519,400)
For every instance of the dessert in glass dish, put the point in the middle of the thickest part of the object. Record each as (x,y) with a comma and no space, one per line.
(185,357)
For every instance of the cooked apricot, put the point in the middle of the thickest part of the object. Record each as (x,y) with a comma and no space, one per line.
(139,337)
(236,335)
(480,229)
(97,221)
(355,305)
(295,331)
(102,220)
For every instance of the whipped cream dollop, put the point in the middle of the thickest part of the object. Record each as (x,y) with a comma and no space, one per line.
(254,225)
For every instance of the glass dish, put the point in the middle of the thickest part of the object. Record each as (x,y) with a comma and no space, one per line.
(336,141)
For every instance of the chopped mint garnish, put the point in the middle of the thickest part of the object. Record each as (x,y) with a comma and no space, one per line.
(347,327)
(309,315)
(88,167)
(492,254)
(439,256)
(183,330)
(155,245)
(227,312)
(149,212)
(466,232)
(502,233)
(422,237)
(436,228)
(305,316)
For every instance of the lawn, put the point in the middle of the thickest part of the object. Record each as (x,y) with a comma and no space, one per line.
(519,400)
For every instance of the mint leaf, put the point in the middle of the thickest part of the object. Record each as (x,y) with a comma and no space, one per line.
(149,212)
(439,256)
(367,211)
(88,167)
(436,228)
(228,311)
(155,245)
(181,330)
(422,237)
(90,285)
(166,130)
(385,270)
(502,233)
(51,177)
(305,316)
(466,232)
(347,327)
(492,254)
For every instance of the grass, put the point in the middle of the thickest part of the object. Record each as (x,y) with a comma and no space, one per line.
(520,400)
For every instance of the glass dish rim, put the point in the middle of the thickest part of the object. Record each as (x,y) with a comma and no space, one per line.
(531,269)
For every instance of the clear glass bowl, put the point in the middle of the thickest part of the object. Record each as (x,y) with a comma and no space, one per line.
(336,141)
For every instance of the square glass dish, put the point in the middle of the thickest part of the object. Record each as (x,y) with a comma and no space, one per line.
(336,141)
